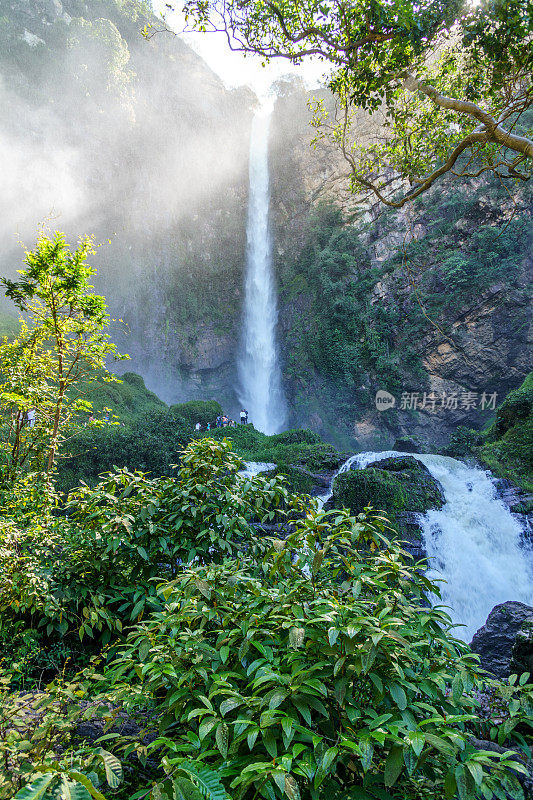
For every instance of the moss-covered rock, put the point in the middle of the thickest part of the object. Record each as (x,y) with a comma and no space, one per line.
(396,485)
(408,444)
(508,448)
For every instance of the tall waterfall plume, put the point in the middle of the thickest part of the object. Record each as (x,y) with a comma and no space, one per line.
(260,389)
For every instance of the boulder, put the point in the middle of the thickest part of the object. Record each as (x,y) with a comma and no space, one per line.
(496,641)
(400,486)
(408,444)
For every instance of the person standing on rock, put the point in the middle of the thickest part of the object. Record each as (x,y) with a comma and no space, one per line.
(243,416)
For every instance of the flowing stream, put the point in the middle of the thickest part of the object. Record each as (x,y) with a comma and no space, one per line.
(260,390)
(473,542)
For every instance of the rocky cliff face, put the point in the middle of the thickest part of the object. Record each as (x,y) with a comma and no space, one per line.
(442,292)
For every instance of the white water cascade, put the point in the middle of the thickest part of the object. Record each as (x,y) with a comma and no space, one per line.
(473,542)
(260,390)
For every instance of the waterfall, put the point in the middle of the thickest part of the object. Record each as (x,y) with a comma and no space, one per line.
(260,390)
(473,542)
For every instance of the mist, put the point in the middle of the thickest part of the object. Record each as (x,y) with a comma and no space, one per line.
(140,143)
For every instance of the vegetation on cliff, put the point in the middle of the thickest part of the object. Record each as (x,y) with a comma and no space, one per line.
(359,323)
(508,443)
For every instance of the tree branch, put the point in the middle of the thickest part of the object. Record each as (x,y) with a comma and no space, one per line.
(492,127)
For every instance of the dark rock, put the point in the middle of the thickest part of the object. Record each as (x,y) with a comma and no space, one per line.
(408,444)
(494,642)
(522,653)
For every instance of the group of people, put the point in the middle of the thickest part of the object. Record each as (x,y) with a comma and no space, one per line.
(223,422)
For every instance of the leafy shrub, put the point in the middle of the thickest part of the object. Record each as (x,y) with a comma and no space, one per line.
(462,442)
(314,672)
(516,408)
(153,442)
(92,570)
(508,449)
(202,411)
(295,436)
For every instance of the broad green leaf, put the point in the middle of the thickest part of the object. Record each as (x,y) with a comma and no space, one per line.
(228,705)
(333,635)
(450,786)
(37,788)
(87,783)
(457,688)
(224,653)
(205,779)
(222,738)
(367,752)
(185,789)
(291,788)
(72,790)
(399,696)
(113,767)
(393,765)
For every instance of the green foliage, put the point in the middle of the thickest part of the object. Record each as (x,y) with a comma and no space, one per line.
(61,346)
(426,66)
(118,536)
(37,758)
(292,448)
(151,442)
(302,685)
(202,411)
(463,442)
(307,668)
(508,449)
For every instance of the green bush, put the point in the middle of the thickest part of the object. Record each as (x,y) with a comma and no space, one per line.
(295,436)
(91,572)
(508,447)
(463,442)
(152,442)
(202,411)
(315,671)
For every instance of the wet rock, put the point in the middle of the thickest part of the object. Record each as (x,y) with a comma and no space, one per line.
(495,641)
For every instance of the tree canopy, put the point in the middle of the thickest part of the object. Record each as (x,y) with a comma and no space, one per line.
(450,81)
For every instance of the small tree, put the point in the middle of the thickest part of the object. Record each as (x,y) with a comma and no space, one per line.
(62,346)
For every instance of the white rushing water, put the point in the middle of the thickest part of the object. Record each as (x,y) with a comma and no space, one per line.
(260,390)
(253,468)
(473,542)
